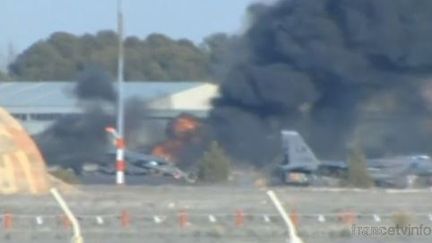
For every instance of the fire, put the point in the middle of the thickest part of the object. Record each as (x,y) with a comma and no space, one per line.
(181,131)
(168,150)
(185,125)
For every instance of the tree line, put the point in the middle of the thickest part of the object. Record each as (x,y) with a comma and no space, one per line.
(62,56)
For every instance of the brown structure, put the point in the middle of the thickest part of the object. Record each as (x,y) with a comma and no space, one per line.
(22,167)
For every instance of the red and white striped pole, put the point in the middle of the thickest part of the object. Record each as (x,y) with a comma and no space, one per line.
(120,161)
(120,155)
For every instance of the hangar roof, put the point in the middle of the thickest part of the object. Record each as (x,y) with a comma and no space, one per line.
(60,94)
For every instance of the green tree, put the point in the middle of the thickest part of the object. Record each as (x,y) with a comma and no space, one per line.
(63,56)
(215,165)
(358,175)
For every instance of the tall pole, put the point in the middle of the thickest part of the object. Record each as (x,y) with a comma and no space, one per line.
(120,143)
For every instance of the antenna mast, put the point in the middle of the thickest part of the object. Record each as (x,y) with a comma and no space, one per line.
(120,143)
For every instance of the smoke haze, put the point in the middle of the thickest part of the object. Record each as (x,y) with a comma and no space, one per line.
(76,139)
(317,66)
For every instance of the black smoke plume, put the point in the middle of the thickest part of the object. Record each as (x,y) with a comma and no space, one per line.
(95,85)
(79,138)
(317,66)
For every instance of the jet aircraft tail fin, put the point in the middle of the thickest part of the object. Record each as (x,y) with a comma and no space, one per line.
(296,151)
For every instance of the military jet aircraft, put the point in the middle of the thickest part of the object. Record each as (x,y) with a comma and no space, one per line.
(138,164)
(301,167)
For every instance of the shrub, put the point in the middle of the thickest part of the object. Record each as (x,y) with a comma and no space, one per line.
(215,165)
(358,175)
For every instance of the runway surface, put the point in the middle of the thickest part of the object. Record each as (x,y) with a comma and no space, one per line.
(172,213)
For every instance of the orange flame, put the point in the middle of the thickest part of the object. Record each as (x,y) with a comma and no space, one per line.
(185,125)
(168,150)
(180,131)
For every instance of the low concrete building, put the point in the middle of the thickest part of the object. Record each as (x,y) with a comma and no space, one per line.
(37,104)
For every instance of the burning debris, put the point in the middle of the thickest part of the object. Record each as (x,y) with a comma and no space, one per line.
(184,126)
(184,134)
(81,138)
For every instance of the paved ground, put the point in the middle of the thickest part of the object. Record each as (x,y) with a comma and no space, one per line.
(158,214)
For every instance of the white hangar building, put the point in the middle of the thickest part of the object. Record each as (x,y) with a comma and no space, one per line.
(38,104)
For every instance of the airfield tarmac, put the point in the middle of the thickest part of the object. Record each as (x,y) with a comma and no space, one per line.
(153,214)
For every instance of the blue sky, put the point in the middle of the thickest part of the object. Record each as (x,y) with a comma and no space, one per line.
(23,22)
